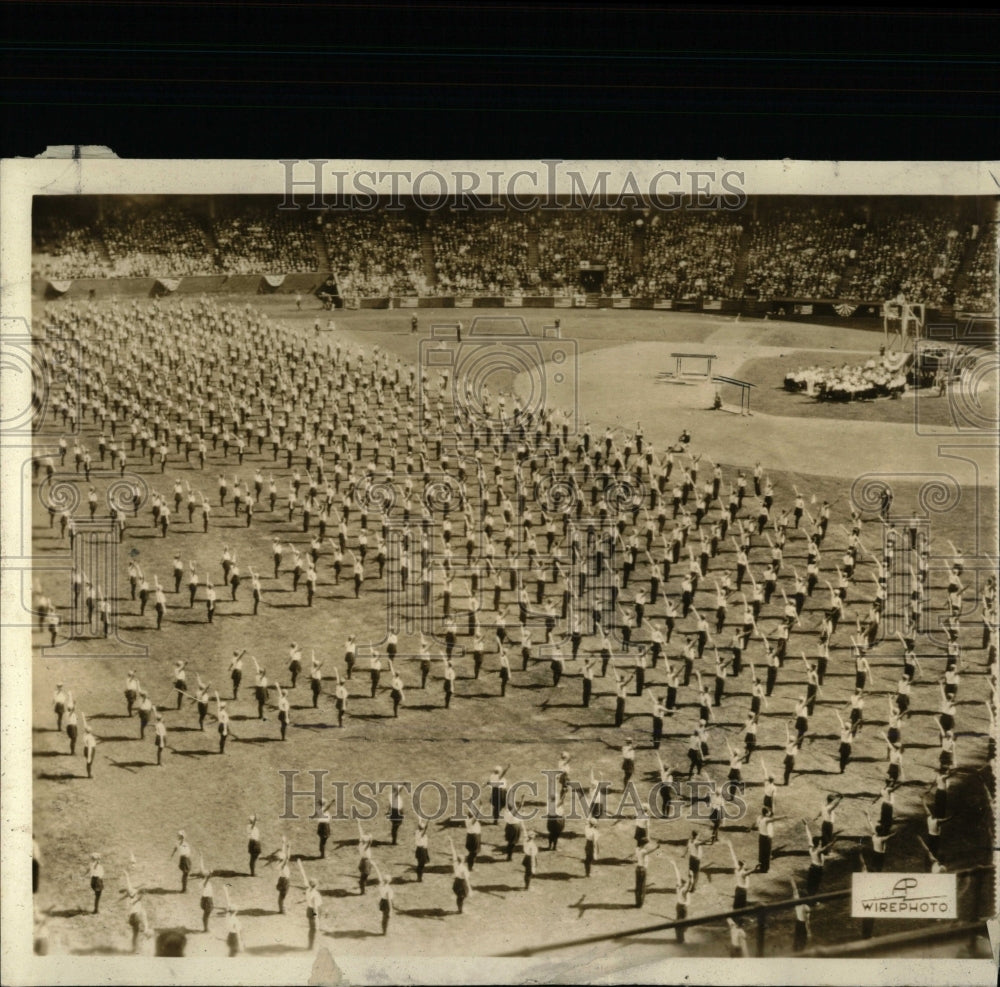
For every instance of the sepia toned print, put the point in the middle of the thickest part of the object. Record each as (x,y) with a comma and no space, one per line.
(492,573)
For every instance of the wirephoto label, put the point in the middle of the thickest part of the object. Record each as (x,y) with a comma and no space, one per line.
(903,896)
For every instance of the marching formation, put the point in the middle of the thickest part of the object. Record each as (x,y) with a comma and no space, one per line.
(706,612)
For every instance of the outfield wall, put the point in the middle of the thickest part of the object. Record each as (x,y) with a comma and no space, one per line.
(848,312)
(207,284)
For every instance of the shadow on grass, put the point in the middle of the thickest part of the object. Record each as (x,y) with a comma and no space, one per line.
(603,906)
(101,951)
(278,949)
(495,888)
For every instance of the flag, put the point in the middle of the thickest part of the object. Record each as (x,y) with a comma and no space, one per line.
(844,310)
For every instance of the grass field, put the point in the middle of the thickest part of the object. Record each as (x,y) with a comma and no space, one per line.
(132,807)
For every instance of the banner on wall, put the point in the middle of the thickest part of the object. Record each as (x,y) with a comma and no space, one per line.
(61,286)
(274,280)
(170,285)
(663,303)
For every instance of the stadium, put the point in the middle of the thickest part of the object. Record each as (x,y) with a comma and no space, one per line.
(609,507)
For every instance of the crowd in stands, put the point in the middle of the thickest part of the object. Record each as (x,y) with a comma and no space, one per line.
(688,255)
(374,253)
(259,239)
(144,243)
(800,250)
(598,237)
(481,252)
(797,249)
(916,254)
(980,291)
(128,240)
(882,377)
(64,248)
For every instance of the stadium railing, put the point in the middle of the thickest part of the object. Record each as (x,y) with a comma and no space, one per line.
(982,904)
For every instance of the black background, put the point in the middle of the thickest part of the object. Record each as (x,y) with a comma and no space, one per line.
(473,80)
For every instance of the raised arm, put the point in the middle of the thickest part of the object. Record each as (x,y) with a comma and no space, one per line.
(732,854)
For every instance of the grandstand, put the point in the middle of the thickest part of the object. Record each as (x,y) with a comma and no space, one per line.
(480,252)
(690,255)
(800,250)
(375,253)
(142,243)
(917,252)
(67,247)
(978,290)
(776,253)
(258,238)
(568,243)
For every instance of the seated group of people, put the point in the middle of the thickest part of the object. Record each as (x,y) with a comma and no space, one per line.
(881,377)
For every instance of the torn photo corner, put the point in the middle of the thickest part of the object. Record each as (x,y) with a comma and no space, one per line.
(77,151)
(498,571)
